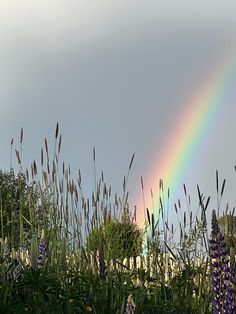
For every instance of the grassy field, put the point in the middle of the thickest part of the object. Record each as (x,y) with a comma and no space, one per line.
(64,253)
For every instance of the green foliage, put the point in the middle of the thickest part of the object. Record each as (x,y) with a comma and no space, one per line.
(118,239)
(23,209)
(42,292)
(14,206)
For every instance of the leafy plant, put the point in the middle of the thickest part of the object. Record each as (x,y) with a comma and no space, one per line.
(119,239)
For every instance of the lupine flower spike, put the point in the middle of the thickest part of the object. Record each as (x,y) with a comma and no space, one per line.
(42,251)
(222,290)
(11,266)
(6,260)
(130,306)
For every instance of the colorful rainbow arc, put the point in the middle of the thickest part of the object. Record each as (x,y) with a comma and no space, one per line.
(188,134)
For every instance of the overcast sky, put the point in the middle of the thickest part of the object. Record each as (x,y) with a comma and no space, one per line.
(116,75)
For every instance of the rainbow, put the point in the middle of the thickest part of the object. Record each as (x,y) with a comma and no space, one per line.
(185,138)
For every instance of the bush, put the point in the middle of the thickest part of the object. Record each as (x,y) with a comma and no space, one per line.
(118,240)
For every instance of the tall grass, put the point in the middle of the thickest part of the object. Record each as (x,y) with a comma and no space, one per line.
(45,221)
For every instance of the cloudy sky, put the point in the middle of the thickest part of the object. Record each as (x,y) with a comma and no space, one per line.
(117,75)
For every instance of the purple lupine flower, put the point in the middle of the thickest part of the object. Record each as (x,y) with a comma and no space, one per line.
(42,252)
(17,272)
(130,305)
(11,266)
(7,261)
(6,252)
(233,275)
(222,291)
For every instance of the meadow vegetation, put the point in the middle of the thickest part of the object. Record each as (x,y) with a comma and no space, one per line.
(61,252)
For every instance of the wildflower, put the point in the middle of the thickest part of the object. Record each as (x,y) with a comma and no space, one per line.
(7,263)
(42,251)
(130,305)
(16,272)
(222,291)
(6,258)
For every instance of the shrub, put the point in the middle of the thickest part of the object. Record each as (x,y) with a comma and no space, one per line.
(118,239)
